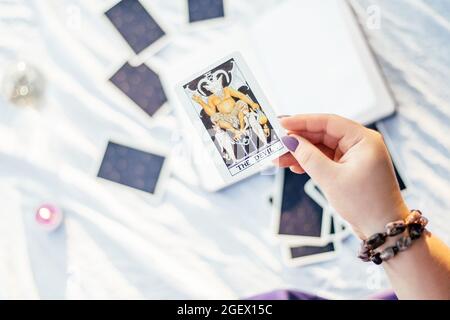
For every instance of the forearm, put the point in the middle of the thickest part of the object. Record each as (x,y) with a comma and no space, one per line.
(422,271)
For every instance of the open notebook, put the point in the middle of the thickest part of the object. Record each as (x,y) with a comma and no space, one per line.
(308,56)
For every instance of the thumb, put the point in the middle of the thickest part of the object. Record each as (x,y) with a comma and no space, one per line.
(315,163)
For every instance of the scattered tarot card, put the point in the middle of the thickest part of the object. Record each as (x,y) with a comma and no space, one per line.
(137,27)
(303,254)
(205,10)
(145,171)
(142,85)
(233,117)
(299,217)
(312,190)
(340,229)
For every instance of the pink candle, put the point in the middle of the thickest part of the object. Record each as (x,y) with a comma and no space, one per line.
(49,217)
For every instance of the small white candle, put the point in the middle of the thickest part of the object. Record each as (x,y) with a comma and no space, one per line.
(49,217)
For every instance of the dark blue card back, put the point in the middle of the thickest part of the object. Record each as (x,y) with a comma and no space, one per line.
(142,85)
(131,167)
(135,24)
(200,10)
(300,215)
(304,251)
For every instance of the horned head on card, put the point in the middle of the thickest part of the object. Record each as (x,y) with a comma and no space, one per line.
(225,105)
(213,82)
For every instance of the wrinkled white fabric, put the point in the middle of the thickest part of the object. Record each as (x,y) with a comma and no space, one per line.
(114,243)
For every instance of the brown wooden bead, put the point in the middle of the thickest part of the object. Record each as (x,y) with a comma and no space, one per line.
(404,243)
(375,240)
(414,223)
(395,228)
(364,256)
(423,221)
(413,217)
(415,230)
(388,253)
(376,258)
(364,252)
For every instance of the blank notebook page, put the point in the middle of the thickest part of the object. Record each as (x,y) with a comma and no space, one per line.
(307,47)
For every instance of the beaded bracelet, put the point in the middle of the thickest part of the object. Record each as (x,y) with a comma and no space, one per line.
(414,224)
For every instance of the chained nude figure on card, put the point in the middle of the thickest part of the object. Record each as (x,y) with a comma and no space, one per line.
(224,110)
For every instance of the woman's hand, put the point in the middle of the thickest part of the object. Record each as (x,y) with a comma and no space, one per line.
(351,165)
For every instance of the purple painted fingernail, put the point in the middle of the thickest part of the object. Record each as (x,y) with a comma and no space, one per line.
(290,142)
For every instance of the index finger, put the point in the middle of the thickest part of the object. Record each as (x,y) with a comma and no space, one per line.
(330,124)
(346,131)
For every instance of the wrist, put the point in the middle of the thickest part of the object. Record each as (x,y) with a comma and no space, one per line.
(378,219)
(377,247)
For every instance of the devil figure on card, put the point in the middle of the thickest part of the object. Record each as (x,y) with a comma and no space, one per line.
(231,114)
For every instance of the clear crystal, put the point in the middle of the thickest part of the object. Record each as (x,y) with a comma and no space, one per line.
(23,84)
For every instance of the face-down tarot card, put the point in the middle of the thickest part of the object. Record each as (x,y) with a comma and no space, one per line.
(233,117)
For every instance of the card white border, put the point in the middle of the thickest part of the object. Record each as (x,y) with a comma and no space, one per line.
(164,174)
(314,194)
(312,259)
(277,203)
(263,102)
(126,100)
(205,24)
(310,189)
(133,58)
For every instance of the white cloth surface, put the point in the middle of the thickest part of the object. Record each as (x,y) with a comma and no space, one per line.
(114,243)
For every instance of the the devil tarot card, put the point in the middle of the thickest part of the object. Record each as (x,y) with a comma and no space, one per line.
(233,116)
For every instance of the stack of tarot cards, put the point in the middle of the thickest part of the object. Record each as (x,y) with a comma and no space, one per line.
(309,229)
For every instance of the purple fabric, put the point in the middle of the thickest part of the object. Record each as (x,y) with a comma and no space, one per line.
(388,295)
(285,295)
(298,295)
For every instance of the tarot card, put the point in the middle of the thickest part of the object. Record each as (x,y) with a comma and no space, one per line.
(233,116)
(142,85)
(339,227)
(141,170)
(205,11)
(315,193)
(297,216)
(140,29)
(304,254)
